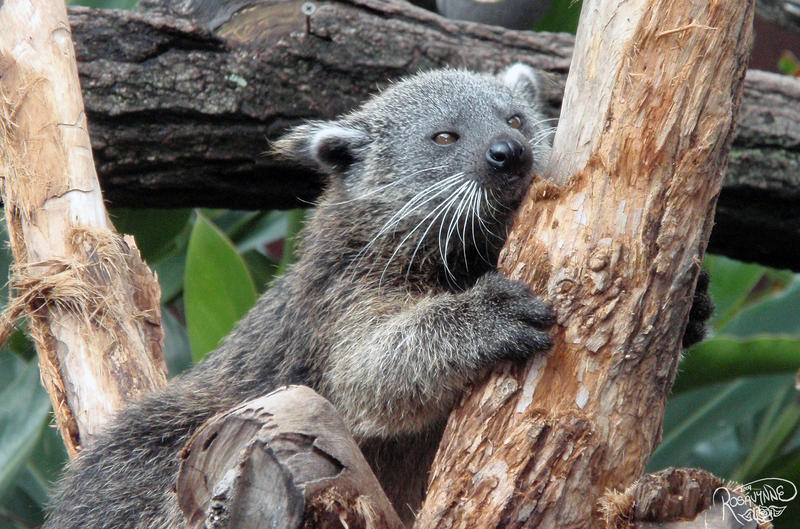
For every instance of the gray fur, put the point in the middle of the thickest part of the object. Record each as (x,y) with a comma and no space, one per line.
(393,308)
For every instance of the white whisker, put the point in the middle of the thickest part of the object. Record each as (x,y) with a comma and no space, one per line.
(443,251)
(385,186)
(454,221)
(446,203)
(418,200)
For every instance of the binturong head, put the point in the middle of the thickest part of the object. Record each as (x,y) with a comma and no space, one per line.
(439,153)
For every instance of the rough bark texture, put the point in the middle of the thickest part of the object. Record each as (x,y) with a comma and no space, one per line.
(646,126)
(180,112)
(679,498)
(92,305)
(283,461)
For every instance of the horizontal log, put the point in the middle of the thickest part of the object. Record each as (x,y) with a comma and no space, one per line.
(783,12)
(181,112)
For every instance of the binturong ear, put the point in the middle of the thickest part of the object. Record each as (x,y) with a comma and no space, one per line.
(330,146)
(524,80)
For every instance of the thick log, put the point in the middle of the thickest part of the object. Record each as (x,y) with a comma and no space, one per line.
(285,460)
(783,12)
(93,306)
(181,112)
(647,122)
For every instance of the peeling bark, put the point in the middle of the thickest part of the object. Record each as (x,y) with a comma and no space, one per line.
(679,498)
(639,154)
(285,461)
(91,303)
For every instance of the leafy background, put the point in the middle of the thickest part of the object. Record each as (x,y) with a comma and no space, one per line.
(734,409)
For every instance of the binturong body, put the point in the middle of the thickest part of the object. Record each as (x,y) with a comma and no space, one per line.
(392,309)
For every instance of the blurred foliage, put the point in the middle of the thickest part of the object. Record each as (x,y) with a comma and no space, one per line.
(211,265)
(788,64)
(562,17)
(734,408)
(218,289)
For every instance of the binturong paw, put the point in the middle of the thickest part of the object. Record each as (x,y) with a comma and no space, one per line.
(702,309)
(515,321)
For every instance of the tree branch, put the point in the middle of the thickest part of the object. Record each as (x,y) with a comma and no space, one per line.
(648,117)
(180,114)
(93,306)
(783,12)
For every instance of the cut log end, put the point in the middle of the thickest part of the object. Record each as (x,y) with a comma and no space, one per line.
(285,460)
(680,498)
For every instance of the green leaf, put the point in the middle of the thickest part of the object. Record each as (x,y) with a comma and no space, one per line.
(774,315)
(261,269)
(218,289)
(31,491)
(261,230)
(724,358)
(5,262)
(19,344)
(699,425)
(155,230)
(24,410)
(33,485)
(731,283)
(295,220)
(562,17)
(780,278)
(19,511)
(230,221)
(788,64)
(768,446)
(11,367)
(170,271)
(787,467)
(177,349)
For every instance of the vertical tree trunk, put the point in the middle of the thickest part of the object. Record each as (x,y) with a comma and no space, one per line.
(93,306)
(646,126)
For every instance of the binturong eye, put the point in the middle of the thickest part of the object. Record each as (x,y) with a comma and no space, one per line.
(445,138)
(515,122)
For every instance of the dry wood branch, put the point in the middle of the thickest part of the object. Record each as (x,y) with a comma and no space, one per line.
(641,147)
(180,114)
(285,460)
(93,306)
(679,498)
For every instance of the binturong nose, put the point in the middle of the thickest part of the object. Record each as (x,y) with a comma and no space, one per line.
(509,155)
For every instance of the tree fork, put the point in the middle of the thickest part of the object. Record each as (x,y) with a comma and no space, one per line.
(638,158)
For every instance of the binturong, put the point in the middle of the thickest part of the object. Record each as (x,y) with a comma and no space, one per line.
(393,308)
